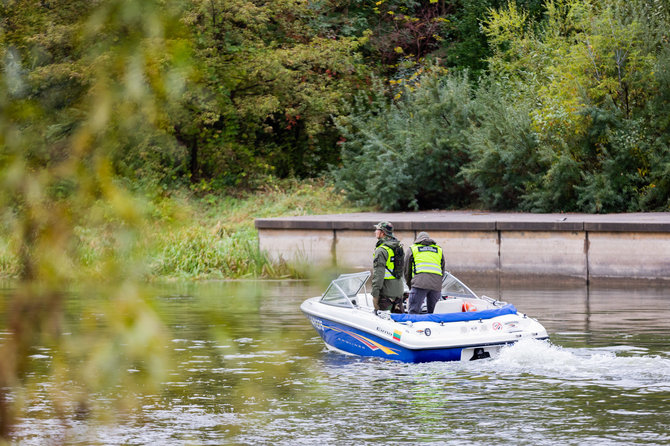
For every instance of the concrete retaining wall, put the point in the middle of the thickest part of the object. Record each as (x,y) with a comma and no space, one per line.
(567,245)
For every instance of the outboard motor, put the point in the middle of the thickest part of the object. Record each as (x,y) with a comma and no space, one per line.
(480,353)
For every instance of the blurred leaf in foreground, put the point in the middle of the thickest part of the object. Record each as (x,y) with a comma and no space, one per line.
(80,83)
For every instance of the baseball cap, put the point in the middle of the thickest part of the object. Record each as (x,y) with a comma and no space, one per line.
(385,227)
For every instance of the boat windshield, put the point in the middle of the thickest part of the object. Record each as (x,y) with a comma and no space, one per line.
(342,290)
(452,287)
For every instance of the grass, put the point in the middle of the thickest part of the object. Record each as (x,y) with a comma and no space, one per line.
(215,237)
(193,237)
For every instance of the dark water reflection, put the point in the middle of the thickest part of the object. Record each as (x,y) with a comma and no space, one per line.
(249,369)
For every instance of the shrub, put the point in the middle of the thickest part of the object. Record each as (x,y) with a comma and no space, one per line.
(504,150)
(407,154)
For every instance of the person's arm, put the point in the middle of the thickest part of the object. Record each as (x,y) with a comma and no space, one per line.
(378,271)
(444,264)
(407,268)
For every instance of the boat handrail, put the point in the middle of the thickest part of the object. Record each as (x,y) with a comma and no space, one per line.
(496,302)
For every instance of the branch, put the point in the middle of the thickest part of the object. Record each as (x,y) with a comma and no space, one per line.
(593,59)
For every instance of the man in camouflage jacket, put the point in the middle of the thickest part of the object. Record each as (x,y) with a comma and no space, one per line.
(387,289)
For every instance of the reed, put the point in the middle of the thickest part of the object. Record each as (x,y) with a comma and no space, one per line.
(214,236)
(186,236)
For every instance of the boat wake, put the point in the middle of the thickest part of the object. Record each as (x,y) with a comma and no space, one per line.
(621,366)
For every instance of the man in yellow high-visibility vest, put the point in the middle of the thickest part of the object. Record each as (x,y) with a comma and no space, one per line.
(424,269)
(387,288)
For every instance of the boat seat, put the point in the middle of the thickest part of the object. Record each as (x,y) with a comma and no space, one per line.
(449,306)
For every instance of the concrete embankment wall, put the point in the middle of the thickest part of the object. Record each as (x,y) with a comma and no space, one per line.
(582,246)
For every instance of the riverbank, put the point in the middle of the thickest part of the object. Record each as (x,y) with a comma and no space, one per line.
(577,246)
(290,228)
(189,235)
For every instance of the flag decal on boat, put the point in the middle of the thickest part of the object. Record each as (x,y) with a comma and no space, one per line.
(396,335)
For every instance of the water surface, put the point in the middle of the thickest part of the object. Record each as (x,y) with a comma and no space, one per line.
(250,369)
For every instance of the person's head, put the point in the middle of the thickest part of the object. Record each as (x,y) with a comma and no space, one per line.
(422,236)
(383,228)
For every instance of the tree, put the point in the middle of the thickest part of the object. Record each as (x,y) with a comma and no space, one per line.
(592,69)
(268,85)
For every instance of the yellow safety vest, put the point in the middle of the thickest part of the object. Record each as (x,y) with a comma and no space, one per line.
(427,259)
(390,262)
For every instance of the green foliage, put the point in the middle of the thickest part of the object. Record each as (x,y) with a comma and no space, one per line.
(214,237)
(656,193)
(572,116)
(613,182)
(195,252)
(268,84)
(593,72)
(245,92)
(407,154)
(57,176)
(555,192)
(465,45)
(190,237)
(505,155)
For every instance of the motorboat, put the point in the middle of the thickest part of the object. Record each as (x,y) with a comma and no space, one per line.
(463,326)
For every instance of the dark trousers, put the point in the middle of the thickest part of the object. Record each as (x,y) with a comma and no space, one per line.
(418,295)
(392,304)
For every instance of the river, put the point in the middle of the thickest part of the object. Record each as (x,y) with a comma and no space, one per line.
(249,369)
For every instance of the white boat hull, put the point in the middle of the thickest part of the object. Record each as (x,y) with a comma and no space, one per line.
(463,326)
(362,332)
